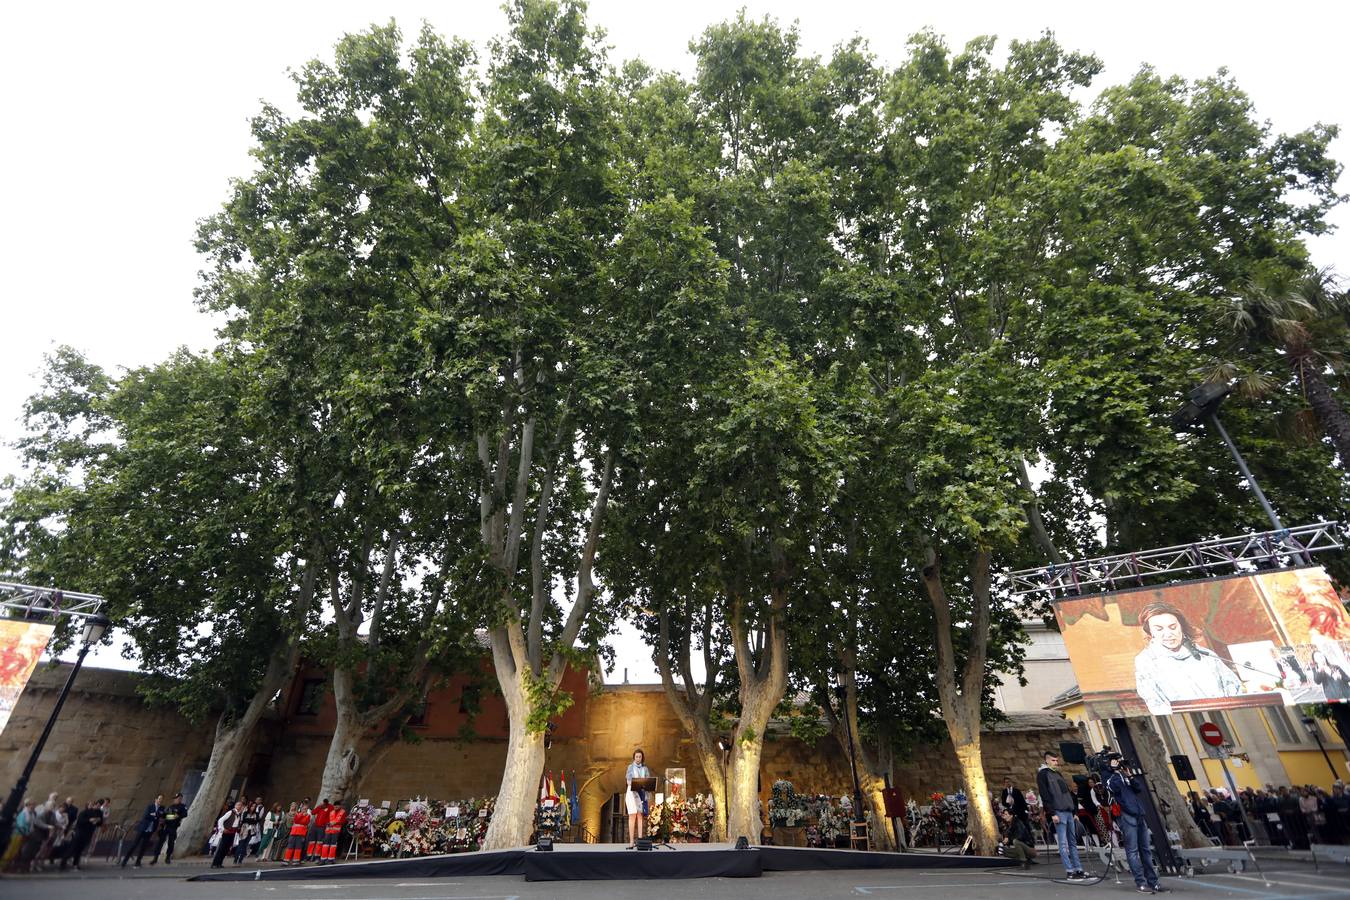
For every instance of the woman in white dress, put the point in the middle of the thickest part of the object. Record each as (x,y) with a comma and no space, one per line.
(636,801)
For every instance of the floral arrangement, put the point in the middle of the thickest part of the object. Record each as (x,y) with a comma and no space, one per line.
(421,829)
(361,822)
(786,808)
(679,819)
(831,823)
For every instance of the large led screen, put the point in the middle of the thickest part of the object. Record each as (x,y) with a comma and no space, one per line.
(1276,638)
(21,644)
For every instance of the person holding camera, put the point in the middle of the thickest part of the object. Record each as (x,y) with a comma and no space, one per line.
(1133,828)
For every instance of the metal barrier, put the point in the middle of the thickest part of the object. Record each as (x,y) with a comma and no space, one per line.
(1334,852)
(1203,857)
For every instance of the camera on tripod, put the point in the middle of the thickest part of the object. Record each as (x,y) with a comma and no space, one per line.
(1100,764)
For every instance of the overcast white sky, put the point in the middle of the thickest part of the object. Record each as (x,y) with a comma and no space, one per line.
(126,121)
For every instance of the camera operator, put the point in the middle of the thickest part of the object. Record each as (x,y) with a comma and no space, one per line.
(1127,788)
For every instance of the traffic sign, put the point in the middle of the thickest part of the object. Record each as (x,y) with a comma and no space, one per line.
(1211,734)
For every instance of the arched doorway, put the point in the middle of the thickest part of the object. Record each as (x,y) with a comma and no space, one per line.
(614,821)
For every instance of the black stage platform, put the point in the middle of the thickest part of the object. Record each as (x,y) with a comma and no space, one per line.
(583,862)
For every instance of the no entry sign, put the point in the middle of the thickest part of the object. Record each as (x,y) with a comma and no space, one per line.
(1211,734)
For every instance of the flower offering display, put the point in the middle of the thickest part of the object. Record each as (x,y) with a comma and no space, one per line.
(940,823)
(683,820)
(425,827)
(786,808)
(361,823)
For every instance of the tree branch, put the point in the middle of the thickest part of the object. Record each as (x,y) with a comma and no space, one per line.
(585,586)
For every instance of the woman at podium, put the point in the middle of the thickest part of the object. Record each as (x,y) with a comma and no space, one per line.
(635,800)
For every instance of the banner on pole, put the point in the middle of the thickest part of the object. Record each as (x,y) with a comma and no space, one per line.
(1274,638)
(21,645)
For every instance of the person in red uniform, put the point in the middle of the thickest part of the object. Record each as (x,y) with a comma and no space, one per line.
(337,817)
(317,823)
(295,842)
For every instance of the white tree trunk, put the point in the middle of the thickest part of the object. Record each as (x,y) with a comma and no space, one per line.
(883,836)
(980,808)
(743,813)
(513,816)
(227,758)
(1153,759)
(343,763)
(717,786)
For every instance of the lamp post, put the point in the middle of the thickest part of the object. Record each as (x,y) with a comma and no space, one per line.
(1311,725)
(92,633)
(842,693)
(1202,405)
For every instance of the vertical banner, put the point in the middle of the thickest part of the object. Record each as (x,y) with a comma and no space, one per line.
(21,644)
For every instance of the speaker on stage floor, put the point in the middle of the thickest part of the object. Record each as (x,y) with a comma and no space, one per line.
(643,843)
(742,843)
(1072,752)
(545,843)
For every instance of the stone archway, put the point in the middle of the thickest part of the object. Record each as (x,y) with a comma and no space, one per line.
(604,782)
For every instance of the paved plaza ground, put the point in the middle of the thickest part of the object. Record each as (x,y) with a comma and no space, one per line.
(1284,879)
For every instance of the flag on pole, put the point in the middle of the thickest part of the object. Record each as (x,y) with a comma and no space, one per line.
(576,806)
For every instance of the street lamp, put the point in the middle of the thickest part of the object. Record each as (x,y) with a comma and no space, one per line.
(1311,725)
(94,628)
(1202,405)
(842,693)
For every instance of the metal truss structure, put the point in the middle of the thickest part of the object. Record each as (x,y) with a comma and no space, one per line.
(40,602)
(1204,559)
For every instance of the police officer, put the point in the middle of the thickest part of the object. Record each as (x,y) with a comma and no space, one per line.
(145,830)
(168,832)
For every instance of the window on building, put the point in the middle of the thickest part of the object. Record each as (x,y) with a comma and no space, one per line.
(1168,734)
(311,697)
(1108,735)
(470,698)
(1282,726)
(1221,719)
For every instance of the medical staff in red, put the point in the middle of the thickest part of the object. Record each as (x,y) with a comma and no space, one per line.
(295,842)
(317,825)
(337,817)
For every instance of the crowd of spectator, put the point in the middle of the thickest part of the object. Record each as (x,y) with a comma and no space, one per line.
(53,835)
(57,835)
(1286,816)
(1293,817)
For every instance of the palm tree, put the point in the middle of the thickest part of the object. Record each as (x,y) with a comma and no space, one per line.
(1305,320)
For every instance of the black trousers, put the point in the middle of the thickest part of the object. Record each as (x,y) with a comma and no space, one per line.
(79,844)
(167,836)
(222,849)
(138,846)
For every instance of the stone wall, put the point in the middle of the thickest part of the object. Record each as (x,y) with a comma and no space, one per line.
(109,742)
(106,743)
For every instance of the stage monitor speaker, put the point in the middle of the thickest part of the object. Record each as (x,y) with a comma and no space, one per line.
(742,843)
(643,843)
(545,843)
(1181,763)
(1072,752)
